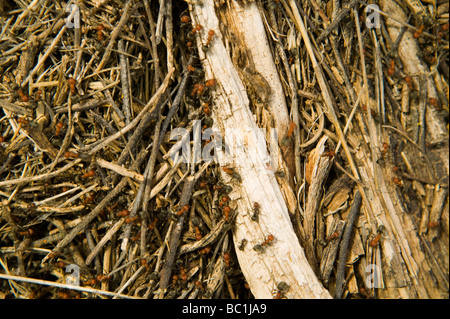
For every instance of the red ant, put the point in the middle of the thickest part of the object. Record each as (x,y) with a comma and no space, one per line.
(329,154)
(374,242)
(71,155)
(419,31)
(333,236)
(226,258)
(145,263)
(27,232)
(397,181)
(206,108)
(37,95)
(130,220)
(71,81)
(391,69)
(198,234)
(59,126)
(185,208)
(210,82)
(210,37)
(88,174)
(24,97)
(205,250)
(408,81)
(291,128)
(123,213)
(385,148)
(185,19)
(190,68)
(226,212)
(268,240)
(100,29)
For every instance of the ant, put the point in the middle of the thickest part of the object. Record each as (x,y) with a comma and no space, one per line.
(185,19)
(419,31)
(90,282)
(198,89)
(71,81)
(205,250)
(225,199)
(434,102)
(37,95)
(71,155)
(206,108)
(211,82)
(258,248)
(408,81)
(190,68)
(232,172)
(268,240)
(197,28)
(184,209)
(227,258)
(144,263)
(282,288)
(385,148)
(332,236)
(391,69)
(22,120)
(88,198)
(24,97)
(130,220)
(291,128)
(210,37)
(100,29)
(226,212)
(329,154)
(242,244)
(198,234)
(256,208)
(375,241)
(123,213)
(88,174)
(59,126)
(397,181)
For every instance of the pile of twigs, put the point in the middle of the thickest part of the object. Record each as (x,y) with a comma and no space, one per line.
(86,176)
(97,202)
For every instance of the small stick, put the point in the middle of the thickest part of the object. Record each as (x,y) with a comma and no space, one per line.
(340,272)
(149,107)
(95,250)
(89,217)
(15,108)
(169,34)
(125,82)
(166,271)
(115,34)
(40,177)
(343,13)
(65,286)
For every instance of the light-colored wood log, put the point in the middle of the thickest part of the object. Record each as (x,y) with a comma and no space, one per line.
(284,259)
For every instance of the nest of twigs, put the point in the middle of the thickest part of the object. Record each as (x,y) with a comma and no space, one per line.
(95,203)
